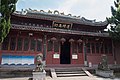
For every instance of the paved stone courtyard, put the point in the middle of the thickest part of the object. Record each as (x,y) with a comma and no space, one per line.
(65,78)
(62,78)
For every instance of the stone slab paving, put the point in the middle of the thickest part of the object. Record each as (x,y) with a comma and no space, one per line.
(83,78)
(77,78)
(99,78)
(65,78)
(20,78)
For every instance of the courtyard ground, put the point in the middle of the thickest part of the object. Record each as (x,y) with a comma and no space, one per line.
(94,77)
(65,78)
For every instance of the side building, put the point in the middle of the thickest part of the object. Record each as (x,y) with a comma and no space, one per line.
(61,39)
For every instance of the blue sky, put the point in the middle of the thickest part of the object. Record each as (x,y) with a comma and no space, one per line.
(90,9)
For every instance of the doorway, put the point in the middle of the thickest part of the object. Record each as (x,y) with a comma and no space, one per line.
(65,53)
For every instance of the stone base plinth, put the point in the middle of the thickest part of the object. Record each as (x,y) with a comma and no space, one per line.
(105,74)
(39,75)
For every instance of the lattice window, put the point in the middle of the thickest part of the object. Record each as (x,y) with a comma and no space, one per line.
(93,47)
(50,45)
(12,43)
(74,48)
(56,46)
(107,48)
(110,48)
(19,44)
(102,48)
(33,44)
(80,47)
(88,47)
(97,47)
(26,44)
(5,44)
(39,45)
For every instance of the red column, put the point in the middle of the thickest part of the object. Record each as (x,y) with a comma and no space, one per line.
(0,54)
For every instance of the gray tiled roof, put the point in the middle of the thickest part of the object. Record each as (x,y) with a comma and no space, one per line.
(54,30)
(61,18)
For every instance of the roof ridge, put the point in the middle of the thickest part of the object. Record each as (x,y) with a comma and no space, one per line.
(49,16)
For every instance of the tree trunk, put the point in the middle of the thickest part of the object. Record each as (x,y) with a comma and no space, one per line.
(0,47)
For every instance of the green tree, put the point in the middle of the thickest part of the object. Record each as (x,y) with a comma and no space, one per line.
(114,21)
(7,7)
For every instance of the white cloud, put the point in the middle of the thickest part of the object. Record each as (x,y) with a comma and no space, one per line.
(91,9)
(67,5)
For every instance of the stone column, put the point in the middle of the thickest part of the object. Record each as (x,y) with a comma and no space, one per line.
(113,52)
(44,49)
(85,54)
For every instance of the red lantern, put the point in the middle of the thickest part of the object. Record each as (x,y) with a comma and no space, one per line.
(53,39)
(97,39)
(62,40)
(79,41)
(71,40)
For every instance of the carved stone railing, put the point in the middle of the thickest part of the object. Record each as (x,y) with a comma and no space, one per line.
(55,30)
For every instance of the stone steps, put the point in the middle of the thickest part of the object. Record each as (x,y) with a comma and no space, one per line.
(72,72)
(69,72)
(70,75)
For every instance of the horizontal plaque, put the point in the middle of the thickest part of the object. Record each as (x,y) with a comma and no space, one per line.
(56,56)
(62,25)
(74,56)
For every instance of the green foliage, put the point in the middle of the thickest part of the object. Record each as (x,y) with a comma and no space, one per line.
(114,21)
(7,7)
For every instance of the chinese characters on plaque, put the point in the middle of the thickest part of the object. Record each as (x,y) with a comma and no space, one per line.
(62,25)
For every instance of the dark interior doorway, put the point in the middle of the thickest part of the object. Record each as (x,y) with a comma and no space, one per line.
(65,53)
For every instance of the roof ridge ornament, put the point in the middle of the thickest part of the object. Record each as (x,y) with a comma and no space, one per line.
(23,12)
(56,12)
(42,11)
(69,15)
(84,19)
(62,13)
(50,12)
